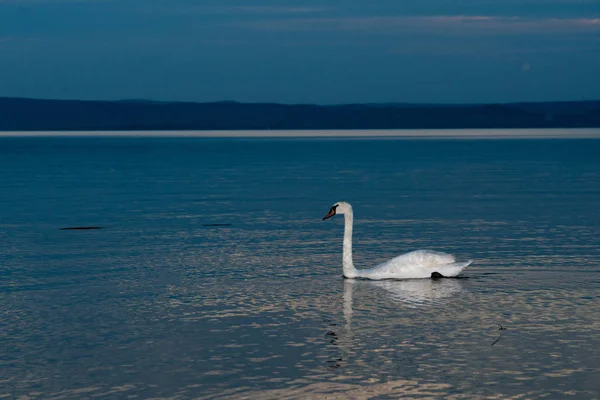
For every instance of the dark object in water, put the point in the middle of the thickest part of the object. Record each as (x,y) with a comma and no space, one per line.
(436,275)
(80,228)
(216,224)
(501,328)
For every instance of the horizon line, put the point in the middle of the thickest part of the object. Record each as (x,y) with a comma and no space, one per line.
(379,134)
(391,103)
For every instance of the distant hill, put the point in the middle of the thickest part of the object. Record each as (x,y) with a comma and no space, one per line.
(21,114)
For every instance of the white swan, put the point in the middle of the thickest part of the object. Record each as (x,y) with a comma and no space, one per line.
(416,264)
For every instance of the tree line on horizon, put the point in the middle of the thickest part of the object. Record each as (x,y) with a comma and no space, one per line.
(22,114)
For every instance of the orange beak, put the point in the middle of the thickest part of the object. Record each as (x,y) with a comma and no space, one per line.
(330,214)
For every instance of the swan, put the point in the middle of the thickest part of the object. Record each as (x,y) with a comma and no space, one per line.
(416,264)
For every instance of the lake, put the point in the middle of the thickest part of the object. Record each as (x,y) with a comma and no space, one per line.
(213,276)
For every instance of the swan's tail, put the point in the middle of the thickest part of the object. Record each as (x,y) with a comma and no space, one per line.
(452,270)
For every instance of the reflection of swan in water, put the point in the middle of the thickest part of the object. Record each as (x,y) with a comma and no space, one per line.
(412,292)
(420,292)
(416,264)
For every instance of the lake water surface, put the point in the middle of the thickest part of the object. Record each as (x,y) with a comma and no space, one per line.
(159,305)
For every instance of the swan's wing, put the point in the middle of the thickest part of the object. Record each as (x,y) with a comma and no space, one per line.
(421,259)
(452,270)
(416,264)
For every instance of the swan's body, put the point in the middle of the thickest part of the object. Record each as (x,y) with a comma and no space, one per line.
(416,264)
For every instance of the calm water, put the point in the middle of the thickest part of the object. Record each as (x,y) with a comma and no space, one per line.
(159,305)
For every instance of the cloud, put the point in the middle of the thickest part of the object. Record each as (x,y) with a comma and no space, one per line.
(257,9)
(496,47)
(445,24)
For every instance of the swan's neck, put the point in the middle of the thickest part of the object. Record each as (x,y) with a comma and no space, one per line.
(349,270)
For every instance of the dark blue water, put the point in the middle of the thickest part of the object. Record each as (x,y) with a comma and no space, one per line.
(157,304)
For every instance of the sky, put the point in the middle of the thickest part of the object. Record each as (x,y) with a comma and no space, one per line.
(301,51)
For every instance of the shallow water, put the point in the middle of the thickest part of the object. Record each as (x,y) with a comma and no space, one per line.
(156,304)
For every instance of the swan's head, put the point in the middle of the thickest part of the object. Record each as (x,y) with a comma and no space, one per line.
(338,208)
